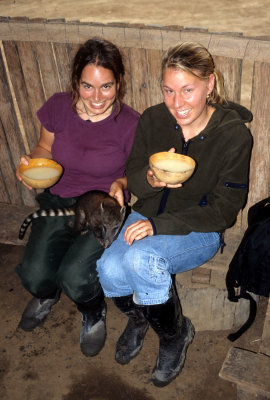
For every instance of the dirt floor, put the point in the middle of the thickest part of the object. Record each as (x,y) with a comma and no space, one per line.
(47,364)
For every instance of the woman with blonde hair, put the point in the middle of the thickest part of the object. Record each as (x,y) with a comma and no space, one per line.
(175,228)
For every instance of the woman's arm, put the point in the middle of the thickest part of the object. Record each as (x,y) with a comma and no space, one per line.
(42,150)
(44,147)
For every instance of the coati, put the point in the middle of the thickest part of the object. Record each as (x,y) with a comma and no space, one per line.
(94,209)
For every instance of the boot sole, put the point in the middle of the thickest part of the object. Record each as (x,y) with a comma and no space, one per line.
(189,338)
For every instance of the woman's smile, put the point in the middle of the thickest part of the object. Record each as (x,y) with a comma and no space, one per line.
(185,96)
(97,92)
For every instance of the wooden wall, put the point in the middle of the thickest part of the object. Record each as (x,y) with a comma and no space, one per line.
(35,62)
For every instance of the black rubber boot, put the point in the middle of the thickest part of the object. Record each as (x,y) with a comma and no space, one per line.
(130,342)
(175,333)
(36,311)
(93,330)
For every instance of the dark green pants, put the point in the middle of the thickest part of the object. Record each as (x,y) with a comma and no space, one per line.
(56,257)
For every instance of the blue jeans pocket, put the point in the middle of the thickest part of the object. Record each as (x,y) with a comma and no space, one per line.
(157,268)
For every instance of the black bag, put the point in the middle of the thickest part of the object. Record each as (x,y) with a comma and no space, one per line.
(249,270)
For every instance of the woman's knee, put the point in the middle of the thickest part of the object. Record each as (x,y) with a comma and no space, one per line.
(110,273)
(79,282)
(148,275)
(144,264)
(37,280)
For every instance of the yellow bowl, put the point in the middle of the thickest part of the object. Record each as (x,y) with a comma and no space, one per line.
(172,168)
(40,173)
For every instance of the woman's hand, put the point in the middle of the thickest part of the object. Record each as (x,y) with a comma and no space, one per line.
(138,230)
(117,190)
(42,150)
(155,182)
(24,160)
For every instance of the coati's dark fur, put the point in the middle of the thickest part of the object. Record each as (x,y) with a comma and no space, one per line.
(94,209)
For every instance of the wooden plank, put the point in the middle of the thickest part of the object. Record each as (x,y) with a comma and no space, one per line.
(48,69)
(37,30)
(88,30)
(33,83)
(265,344)
(154,58)
(72,32)
(9,186)
(63,59)
(5,32)
(132,37)
(11,145)
(190,35)
(19,28)
(228,46)
(247,369)
(170,38)
(20,92)
(140,82)
(258,50)
(4,165)
(151,38)
(72,49)
(260,128)
(11,142)
(231,69)
(115,34)
(56,30)
(128,98)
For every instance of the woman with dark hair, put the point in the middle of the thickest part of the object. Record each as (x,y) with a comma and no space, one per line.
(175,228)
(90,132)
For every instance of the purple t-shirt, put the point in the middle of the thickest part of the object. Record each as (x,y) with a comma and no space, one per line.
(93,154)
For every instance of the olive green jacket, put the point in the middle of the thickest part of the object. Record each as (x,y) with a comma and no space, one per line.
(211,199)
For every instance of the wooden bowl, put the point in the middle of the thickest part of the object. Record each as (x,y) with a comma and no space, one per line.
(172,168)
(40,173)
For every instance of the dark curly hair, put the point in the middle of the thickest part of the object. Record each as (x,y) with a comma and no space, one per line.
(102,53)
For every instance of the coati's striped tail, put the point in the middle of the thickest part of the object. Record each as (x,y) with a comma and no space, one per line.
(58,212)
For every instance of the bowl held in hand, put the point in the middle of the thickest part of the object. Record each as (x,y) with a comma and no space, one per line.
(172,168)
(40,173)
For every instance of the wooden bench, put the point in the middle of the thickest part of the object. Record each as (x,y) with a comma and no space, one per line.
(250,371)
(35,60)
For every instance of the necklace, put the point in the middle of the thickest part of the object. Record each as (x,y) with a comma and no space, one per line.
(86,112)
(99,117)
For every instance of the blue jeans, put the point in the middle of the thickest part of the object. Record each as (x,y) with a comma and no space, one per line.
(144,268)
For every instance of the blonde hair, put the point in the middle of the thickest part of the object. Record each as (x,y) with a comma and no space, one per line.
(195,58)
